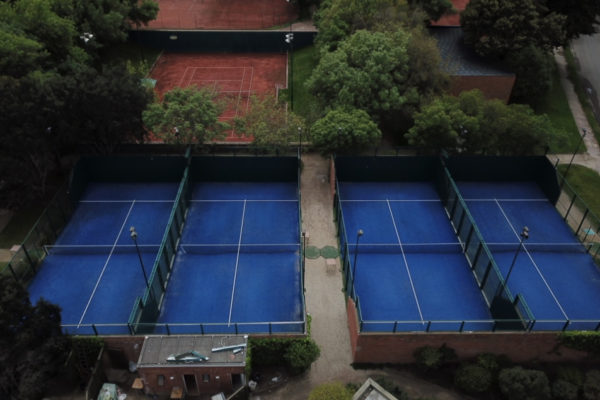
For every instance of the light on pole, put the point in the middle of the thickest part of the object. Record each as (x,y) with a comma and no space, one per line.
(134,238)
(524,236)
(86,37)
(289,39)
(358,235)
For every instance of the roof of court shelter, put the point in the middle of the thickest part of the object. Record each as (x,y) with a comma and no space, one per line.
(460,60)
(452,19)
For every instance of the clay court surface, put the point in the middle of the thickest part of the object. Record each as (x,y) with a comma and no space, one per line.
(235,77)
(222,14)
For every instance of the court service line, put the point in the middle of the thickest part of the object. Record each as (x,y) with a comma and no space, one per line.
(533,262)
(242,200)
(126,201)
(393,201)
(514,200)
(405,262)
(106,264)
(237,262)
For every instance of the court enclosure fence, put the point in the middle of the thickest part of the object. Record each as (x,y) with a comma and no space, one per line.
(508,312)
(143,168)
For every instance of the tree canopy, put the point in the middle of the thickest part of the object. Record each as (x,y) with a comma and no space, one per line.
(470,123)
(581,16)
(343,130)
(383,74)
(496,28)
(186,116)
(32,346)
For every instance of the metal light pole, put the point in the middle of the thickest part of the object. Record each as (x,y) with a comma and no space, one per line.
(134,238)
(573,157)
(303,248)
(524,236)
(289,39)
(358,235)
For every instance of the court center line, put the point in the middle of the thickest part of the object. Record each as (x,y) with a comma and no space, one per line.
(237,262)
(240,200)
(106,264)
(405,262)
(393,201)
(533,262)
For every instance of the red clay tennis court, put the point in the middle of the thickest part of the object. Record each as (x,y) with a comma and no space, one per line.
(235,77)
(220,14)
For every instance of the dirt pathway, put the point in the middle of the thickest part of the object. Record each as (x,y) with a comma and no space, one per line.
(325,303)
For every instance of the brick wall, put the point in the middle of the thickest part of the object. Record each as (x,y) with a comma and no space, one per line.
(219,378)
(493,87)
(399,347)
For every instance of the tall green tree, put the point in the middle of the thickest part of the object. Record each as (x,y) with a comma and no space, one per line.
(434,8)
(582,16)
(344,130)
(375,72)
(470,123)
(186,116)
(270,124)
(496,28)
(32,346)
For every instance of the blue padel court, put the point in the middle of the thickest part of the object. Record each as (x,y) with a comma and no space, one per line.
(215,247)
(237,265)
(410,268)
(559,280)
(435,245)
(93,270)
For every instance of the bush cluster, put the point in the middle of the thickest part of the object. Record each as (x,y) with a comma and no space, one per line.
(298,353)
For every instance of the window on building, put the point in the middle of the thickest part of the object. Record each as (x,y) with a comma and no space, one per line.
(161,380)
(205,378)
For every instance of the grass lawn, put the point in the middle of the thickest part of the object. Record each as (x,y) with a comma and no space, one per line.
(305,60)
(556,106)
(20,224)
(141,58)
(586,183)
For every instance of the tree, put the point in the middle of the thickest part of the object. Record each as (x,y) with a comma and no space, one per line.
(372,71)
(473,378)
(474,125)
(581,16)
(496,28)
(271,125)
(342,130)
(188,116)
(32,346)
(524,384)
(534,70)
(434,8)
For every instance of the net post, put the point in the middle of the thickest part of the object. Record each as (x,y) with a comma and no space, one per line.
(270,329)
(428,326)
(566,325)
(462,326)
(202,329)
(395,326)
(532,323)
(236,328)
(597,327)
(95,330)
(168,329)
(130,328)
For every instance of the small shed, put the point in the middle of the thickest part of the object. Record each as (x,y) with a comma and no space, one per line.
(192,365)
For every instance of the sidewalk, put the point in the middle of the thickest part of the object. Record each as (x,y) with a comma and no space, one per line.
(591,158)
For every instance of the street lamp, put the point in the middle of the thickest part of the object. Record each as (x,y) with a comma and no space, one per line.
(358,235)
(134,238)
(289,39)
(573,157)
(86,37)
(524,236)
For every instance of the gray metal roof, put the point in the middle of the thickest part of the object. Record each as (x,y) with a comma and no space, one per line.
(156,349)
(460,60)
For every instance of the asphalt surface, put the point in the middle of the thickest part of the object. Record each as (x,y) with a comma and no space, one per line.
(587,51)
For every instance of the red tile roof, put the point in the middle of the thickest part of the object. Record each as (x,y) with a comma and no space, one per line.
(452,19)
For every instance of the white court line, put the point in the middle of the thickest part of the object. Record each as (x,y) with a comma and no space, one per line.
(522,200)
(239,201)
(250,88)
(105,265)
(237,105)
(126,201)
(393,201)
(405,262)
(533,262)
(183,76)
(237,261)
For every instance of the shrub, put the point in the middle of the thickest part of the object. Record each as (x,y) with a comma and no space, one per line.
(330,391)
(582,340)
(429,358)
(571,374)
(591,386)
(488,361)
(301,354)
(473,378)
(524,384)
(563,390)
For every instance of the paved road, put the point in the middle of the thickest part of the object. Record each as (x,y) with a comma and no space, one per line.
(587,51)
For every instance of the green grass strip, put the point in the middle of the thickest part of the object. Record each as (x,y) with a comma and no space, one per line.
(19,225)
(586,182)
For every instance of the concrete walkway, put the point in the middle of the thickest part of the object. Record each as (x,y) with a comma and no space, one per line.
(326,304)
(591,158)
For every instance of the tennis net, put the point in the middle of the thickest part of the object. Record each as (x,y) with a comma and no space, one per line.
(98,249)
(396,248)
(233,248)
(543,247)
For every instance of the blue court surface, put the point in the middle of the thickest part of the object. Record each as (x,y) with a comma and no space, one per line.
(411,274)
(93,271)
(237,267)
(557,278)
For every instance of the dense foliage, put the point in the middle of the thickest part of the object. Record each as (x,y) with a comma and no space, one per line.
(343,130)
(330,391)
(32,346)
(297,353)
(518,383)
